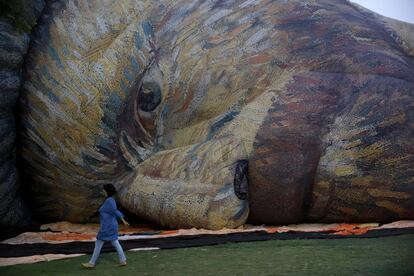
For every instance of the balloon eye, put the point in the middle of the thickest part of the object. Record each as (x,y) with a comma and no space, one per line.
(149,96)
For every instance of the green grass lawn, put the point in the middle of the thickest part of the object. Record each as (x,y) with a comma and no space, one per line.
(380,256)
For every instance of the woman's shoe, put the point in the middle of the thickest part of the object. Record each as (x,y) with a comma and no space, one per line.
(88,265)
(123,263)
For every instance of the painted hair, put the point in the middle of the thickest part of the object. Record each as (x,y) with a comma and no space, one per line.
(110,189)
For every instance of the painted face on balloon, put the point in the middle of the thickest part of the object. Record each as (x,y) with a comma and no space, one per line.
(207,114)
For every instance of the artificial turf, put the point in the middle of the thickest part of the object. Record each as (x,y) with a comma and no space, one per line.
(375,256)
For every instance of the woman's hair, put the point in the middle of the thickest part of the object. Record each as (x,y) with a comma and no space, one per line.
(110,189)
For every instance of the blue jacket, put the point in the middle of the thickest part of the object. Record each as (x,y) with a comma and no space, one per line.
(108,215)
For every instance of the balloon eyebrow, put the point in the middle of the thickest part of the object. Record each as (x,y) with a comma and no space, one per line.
(154,50)
(137,81)
(153,59)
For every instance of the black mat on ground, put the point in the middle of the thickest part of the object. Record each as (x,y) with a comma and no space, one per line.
(20,250)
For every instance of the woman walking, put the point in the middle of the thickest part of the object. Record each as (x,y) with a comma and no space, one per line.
(108,231)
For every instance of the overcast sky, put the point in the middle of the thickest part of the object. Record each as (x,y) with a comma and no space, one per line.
(399,9)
